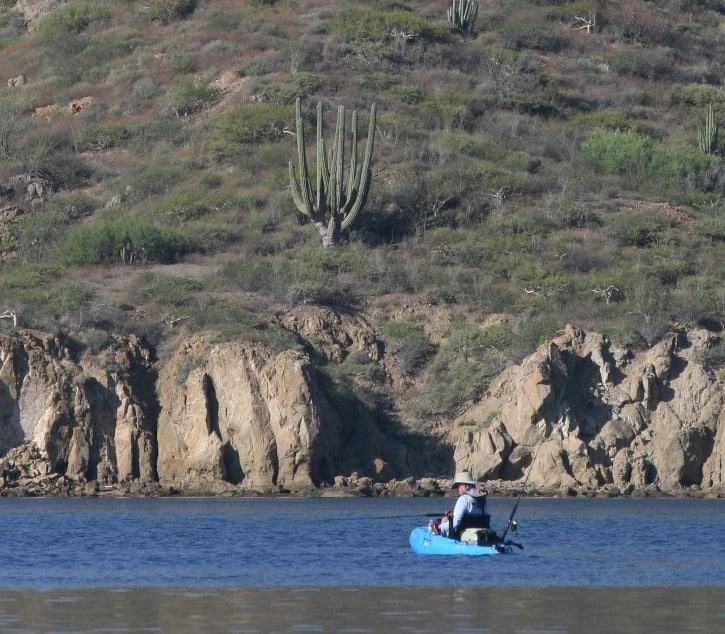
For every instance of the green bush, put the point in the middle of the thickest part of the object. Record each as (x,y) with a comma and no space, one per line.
(699,95)
(464,365)
(632,229)
(189,95)
(379,25)
(166,11)
(62,29)
(104,135)
(617,152)
(28,287)
(408,344)
(646,63)
(530,31)
(129,239)
(233,132)
(166,290)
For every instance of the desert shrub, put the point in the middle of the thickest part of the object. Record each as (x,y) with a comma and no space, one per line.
(179,207)
(128,239)
(639,230)
(104,135)
(70,302)
(678,170)
(635,21)
(12,27)
(51,158)
(409,93)
(27,288)
(529,31)
(506,75)
(72,204)
(698,95)
(166,11)
(62,29)
(166,290)
(162,130)
(302,84)
(617,152)
(144,90)
(710,228)
(408,344)
(35,234)
(11,109)
(234,131)
(184,62)
(102,49)
(447,111)
(531,330)
(189,95)
(381,25)
(646,63)
(310,83)
(463,366)
(380,80)
(150,179)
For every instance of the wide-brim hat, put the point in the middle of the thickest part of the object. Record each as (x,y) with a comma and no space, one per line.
(463,477)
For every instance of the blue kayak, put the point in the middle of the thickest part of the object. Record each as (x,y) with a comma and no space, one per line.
(423,542)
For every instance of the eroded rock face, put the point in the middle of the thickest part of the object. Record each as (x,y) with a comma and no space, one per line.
(84,416)
(594,416)
(240,416)
(241,413)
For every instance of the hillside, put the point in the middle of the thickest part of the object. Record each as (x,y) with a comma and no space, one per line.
(551,167)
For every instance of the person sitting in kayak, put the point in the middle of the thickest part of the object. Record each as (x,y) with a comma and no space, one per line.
(470,511)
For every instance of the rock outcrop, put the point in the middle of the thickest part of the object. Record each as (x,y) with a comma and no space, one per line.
(581,414)
(217,416)
(91,417)
(242,418)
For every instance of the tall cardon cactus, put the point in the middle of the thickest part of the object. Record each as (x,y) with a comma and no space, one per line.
(329,204)
(462,16)
(707,135)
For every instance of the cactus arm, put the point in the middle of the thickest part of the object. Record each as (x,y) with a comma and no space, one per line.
(322,175)
(365,172)
(707,136)
(337,163)
(301,187)
(353,182)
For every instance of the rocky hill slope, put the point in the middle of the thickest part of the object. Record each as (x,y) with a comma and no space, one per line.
(576,417)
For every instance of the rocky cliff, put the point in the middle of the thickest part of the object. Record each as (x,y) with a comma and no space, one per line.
(239,417)
(581,414)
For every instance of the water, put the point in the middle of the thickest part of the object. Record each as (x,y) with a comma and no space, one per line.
(331,565)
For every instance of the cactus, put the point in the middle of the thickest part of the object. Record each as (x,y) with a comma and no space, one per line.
(331,206)
(707,135)
(462,16)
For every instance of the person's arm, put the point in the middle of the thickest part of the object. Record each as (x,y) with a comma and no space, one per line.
(459,510)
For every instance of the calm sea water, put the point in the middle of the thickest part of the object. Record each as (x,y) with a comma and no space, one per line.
(331,565)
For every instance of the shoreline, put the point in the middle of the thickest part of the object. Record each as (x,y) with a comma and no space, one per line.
(56,485)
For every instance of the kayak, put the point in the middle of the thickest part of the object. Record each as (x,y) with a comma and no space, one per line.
(423,542)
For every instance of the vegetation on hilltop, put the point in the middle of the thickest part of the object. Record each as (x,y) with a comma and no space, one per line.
(546,166)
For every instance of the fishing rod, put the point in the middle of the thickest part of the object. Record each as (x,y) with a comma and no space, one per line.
(523,488)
